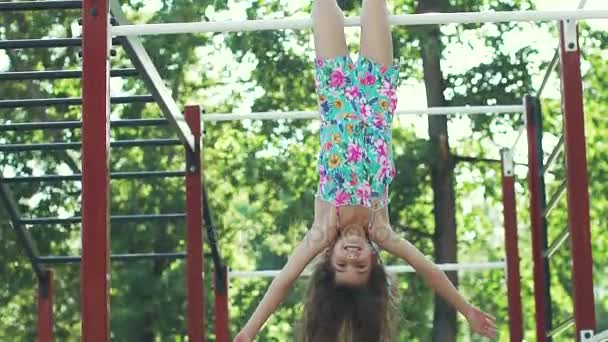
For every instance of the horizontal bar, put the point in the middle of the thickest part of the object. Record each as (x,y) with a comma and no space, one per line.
(71,101)
(115,218)
(501,265)
(561,190)
(44,43)
(213,117)
(78,177)
(306,22)
(30,126)
(59,74)
(554,154)
(557,243)
(49,260)
(76,146)
(561,327)
(39,5)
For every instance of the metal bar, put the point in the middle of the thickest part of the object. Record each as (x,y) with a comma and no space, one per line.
(45,43)
(30,126)
(39,5)
(59,74)
(78,177)
(194,237)
(50,260)
(220,288)
(44,323)
(553,154)
(577,179)
(211,233)
(548,73)
(557,243)
(306,22)
(536,184)
(23,235)
(599,337)
(516,330)
(113,218)
(480,266)
(155,84)
(77,146)
(71,101)
(561,327)
(307,115)
(554,199)
(95,265)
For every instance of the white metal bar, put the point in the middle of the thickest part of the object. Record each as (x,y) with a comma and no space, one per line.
(306,22)
(213,117)
(599,337)
(480,266)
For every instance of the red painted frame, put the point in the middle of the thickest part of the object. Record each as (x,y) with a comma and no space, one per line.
(95,171)
(45,308)
(536,215)
(194,222)
(578,186)
(516,330)
(222,333)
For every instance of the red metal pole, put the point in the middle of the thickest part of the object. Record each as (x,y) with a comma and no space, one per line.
(45,308)
(95,171)
(536,188)
(222,333)
(577,180)
(516,330)
(194,221)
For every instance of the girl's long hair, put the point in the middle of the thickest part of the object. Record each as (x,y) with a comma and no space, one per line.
(345,313)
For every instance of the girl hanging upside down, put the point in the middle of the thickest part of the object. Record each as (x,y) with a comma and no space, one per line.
(350,295)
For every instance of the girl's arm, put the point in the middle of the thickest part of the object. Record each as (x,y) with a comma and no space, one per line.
(436,279)
(313,243)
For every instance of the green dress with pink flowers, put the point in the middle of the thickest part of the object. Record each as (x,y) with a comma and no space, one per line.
(357,102)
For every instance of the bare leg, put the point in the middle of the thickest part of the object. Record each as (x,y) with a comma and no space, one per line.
(376,39)
(328,29)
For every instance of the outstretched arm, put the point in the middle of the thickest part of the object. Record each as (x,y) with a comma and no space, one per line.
(313,243)
(436,279)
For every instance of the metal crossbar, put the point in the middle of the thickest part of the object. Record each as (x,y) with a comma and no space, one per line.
(45,43)
(481,266)
(71,101)
(408,19)
(78,176)
(557,243)
(116,218)
(563,326)
(554,154)
(561,190)
(69,259)
(59,74)
(11,6)
(30,126)
(77,145)
(307,115)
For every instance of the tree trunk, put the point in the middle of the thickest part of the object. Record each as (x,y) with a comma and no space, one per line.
(442,168)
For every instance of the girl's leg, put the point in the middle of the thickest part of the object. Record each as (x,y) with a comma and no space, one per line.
(376,39)
(328,29)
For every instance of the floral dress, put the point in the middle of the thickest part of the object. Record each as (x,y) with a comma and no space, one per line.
(357,102)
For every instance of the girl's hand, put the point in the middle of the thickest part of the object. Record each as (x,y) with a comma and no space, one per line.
(481,322)
(243,337)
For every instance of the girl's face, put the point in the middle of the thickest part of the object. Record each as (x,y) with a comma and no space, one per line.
(352,258)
